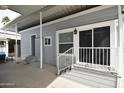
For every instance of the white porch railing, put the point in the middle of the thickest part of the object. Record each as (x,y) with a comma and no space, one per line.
(65,60)
(97,58)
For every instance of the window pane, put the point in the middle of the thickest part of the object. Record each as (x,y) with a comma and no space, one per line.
(66,37)
(102,37)
(64,47)
(48,41)
(45,41)
(85,38)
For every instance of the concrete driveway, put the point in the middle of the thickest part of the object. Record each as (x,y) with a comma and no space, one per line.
(14,75)
(25,76)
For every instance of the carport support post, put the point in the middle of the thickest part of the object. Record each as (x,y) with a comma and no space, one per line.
(41,46)
(16,46)
(121,44)
(7,47)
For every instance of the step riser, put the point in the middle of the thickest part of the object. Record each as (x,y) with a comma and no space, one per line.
(87,82)
(108,74)
(95,75)
(93,79)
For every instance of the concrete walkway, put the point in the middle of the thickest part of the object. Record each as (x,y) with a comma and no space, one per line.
(31,76)
(61,82)
(25,76)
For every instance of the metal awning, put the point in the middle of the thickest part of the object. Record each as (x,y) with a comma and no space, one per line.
(31,16)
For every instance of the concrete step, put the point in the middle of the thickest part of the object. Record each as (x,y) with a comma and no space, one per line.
(104,73)
(91,78)
(31,59)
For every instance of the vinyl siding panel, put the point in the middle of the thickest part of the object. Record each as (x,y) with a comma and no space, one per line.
(26,43)
(49,53)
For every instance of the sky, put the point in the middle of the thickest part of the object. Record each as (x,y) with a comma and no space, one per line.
(11,14)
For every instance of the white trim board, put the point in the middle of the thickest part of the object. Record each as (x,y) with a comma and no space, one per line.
(71,16)
(28,29)
(79,14)
(110,23)
(46,37)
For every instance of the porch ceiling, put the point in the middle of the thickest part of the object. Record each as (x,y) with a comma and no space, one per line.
(31,17)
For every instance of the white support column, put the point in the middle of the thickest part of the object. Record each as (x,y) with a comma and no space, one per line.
(16,46)
(76,46)
(121,44)
(7,47)
(41,46)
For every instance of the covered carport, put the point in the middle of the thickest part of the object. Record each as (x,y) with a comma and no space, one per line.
(33,15)
(55,14)
(31,75)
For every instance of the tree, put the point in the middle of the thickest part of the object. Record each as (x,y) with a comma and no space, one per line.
(5,20)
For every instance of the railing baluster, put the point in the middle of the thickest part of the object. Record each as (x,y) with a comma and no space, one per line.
(83,55)
(65,61)
(71,57)
(103,56)
(99,58)
(58,64)
(99,55)
(89,55)
(86,55)
(92,56)
(107,57)
(96,56)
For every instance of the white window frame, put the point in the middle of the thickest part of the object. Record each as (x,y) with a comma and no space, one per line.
(113,39)
(57,38)
(48,37)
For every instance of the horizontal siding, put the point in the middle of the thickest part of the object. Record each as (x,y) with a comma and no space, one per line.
(99,16)
(26,43)
(95,17)
(49,53)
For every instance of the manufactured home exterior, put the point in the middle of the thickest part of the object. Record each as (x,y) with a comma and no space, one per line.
(86,42)
(5,37)
(49,53)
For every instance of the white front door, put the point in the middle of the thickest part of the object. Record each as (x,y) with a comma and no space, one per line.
(64,42)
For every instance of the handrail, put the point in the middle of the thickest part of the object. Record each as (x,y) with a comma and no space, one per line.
(96,58)
(66,51)
(92,57)
(95,47)
(64,63)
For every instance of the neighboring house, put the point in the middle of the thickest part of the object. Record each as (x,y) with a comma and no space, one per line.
(90,41)
(7,44)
